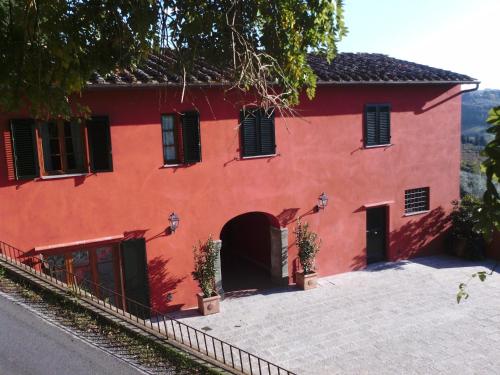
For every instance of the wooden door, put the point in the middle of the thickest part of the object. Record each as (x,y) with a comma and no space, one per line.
(376,234)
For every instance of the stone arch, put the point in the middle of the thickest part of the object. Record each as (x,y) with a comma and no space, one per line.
(257,239)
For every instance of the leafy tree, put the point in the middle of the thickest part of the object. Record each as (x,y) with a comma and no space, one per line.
(50,48)
(489,220)
(488,217)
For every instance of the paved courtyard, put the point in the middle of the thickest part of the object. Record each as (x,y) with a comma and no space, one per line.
(393,318)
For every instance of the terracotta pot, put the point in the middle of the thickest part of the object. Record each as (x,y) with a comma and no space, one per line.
(309,281)
(209,305)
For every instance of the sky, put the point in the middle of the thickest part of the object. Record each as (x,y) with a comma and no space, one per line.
(458,35)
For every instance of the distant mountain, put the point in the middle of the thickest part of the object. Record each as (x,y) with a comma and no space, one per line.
(475,107)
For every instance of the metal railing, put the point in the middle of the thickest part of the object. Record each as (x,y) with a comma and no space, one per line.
(163,324)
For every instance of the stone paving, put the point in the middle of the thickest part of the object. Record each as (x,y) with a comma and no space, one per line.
(392,318)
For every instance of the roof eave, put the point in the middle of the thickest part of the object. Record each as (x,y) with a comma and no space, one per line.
(398,83)
(103,86)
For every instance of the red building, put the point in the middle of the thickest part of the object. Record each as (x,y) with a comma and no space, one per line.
(381,139)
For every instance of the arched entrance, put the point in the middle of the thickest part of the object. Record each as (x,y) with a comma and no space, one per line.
(254,253)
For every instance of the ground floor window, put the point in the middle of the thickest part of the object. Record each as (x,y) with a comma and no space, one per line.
(96,270)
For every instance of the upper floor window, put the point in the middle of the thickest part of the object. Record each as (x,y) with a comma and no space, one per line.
(377,125)
(416,200)
(62,144)
(58,147)
(181,138)
(257,132)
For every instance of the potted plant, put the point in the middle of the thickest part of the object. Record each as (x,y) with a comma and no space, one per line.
(308,244)
(205,255)
(467,241)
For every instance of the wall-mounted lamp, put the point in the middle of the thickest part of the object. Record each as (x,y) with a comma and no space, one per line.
(174,222)
(322,201)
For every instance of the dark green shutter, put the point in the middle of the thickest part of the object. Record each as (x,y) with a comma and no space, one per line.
(24,149)
(370,125)
(249,134)
(191,137)
(135,275)
(99,138)
(377,125)
(266,128)
(384,121)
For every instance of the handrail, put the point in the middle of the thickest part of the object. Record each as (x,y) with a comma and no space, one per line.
(166,326)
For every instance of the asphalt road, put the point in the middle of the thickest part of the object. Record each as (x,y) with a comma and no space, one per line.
(31,346)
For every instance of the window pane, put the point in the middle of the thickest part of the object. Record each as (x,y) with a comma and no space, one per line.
(69,145)
(80,258)
(168,137)
(54,146)
(81,270)
(53,129)
(106,273)
(170,153)
(70,159)
(67,129)
(56,267)
(55,163)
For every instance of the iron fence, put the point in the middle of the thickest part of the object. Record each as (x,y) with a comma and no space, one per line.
(163,324)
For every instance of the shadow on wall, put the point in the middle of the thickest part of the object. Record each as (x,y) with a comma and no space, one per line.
(425,235)
(359,261)
(163,286)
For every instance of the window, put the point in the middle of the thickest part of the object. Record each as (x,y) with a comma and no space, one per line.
(181,138)
(257,132)
(416,200)
(377,125)
(62,144)
(59,147)
(93,269)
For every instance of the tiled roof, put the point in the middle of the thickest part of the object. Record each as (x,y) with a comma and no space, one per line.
(346,68)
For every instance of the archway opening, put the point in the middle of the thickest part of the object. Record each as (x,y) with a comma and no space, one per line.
(246,252)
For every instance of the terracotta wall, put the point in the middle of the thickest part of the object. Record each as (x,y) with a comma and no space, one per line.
(319,150)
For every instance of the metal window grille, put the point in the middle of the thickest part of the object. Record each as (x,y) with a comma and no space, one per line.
(416,200)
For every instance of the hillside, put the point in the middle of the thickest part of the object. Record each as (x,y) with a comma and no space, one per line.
(475,107)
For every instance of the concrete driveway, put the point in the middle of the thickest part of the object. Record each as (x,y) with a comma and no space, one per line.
(393,318)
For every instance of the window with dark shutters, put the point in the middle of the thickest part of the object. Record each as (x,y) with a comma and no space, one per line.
(257,132)
(99,139)
(191,137)
(377,125)
(24,149)
(181,138)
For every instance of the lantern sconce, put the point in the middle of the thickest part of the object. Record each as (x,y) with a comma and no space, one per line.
(322,202)
(174,222)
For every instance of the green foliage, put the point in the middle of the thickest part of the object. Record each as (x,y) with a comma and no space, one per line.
(50,48)
(490,213)
(205,255)
(465,217)
(462,287)
(308,244)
